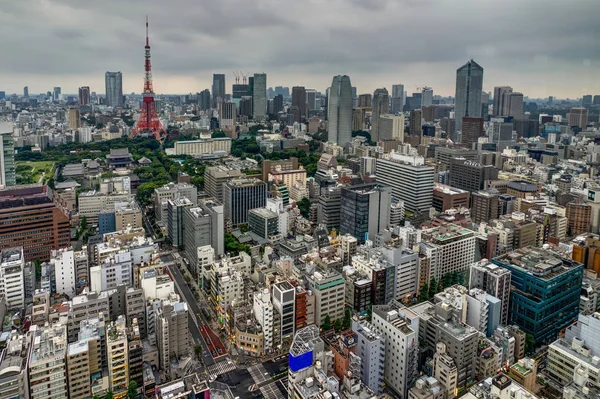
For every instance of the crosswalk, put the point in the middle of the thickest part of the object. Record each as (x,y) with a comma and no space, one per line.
(259,374)
(271,391)
(221,367)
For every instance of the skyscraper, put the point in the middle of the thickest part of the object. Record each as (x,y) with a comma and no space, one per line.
(26,93)
(426,97)
(311,100)
(299,100)
(56,94)
(397,98)
(381,106)
(259,96)
(469,85)
(218,89)
(204,100)
(74,118)
(500,92)
(277,104)
(472,130)
(84,95)
(339,110)
(515,105)
(114,89)
(365,210)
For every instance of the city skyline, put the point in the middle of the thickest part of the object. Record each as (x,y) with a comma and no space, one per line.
(74,44)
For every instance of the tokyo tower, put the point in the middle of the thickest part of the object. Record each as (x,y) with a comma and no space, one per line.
(148,122)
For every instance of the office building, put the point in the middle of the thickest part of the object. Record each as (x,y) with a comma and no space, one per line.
(578,116)
(469,86)
(202,225)
(328,287)
(449,248)
(485,206)
(515,105)
(501,97)
(84,96)
(204,100)
(443,156)
(339,111)
(381,106)
(215,178)
(259,96)
(472,130)
(30,219)
(7,155)
(240,195)
(114,89)
(446,197)
(554,302)
(227,114)
(365,210)
(175,219)
(410,180)
(311,100)
(78,370)
(284,300)
(397,99)
(172,333)
(445,370)
(402,347)
(238,91)
(12,284)
(163,194)
(47,362)
(263,222)
(329,206)
(218,89)
(469,175)
(56,94)
(579,216)
(415,123)
(299,100)
(426,97)
(70,271)
(277,104)
(391,127)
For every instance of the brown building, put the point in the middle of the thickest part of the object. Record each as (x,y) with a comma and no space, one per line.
(30,219)
(522,189)
(272,166)
(365,100)
(428,113)
(578,217)
(484,206)
(446,197)
(587,251)
(299,100)
(472,130)
(389,145)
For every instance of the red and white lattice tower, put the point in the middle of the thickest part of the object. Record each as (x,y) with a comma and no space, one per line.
(148,121)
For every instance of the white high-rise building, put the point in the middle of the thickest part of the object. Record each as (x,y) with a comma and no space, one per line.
(450,249)
(339,111)
(402,347)
(426,97)
(371,349)
(259,97)
(263,311)
(64,272)
(7,155)
(12,284)
(114,271)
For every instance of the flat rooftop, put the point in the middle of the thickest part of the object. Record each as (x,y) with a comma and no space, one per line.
(541,263)
(447,233)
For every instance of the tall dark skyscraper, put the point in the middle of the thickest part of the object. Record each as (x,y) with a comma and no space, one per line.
(339,111)
(218,89)
(381,106)
(259,96)
(469,85)
(113,82)
(472,130)
(204,99)
(26,92)
(397,98)
(365,210)
(56,94)
(277,104)
(84,95)
(299,100)
(239,91)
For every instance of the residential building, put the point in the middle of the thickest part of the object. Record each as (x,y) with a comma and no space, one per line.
(78,370)
(117,356)
(495,281)
(47,362)
(524,372)
(485,206)
(469,85)
(391,127)
(172,333)
(203,225)
(12,284)
(371,347)
(115,270)
(445,370)
(71,271)
(84,96)
(175,216)
(579,215)
(545,290)
(14,382)
(449,248)
(263,311)
(578,117)
(227,114)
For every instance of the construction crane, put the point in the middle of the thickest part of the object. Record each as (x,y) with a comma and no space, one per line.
(237,77)
(244,76)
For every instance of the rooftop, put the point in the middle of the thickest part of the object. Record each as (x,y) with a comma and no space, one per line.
(539,262)
(447,233)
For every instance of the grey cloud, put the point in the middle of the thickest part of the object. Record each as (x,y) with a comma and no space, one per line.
(383,41)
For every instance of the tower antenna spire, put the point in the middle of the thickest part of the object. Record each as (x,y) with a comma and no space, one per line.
(147,41)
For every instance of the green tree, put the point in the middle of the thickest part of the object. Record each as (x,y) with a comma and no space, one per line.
(144,192)
(84,222)
(338,325)
(529,343)
(424,293)
(198,350)
(109,395)
(347,319)
(326,326)
(132,390)
(38,269)
(96,397)
(433,288)
(218,134)
(304,206)
(369,313)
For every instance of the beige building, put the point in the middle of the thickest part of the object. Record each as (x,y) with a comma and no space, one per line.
(91,203)
(203,146)
(117,355)
(127,214)
(47,356)
(74,119)
(289,177)
(249,338)
(391,127)
(78,370)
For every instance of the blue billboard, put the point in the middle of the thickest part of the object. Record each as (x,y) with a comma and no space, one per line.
(300,362)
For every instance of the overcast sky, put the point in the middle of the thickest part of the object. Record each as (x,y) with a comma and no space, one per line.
(539,47)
